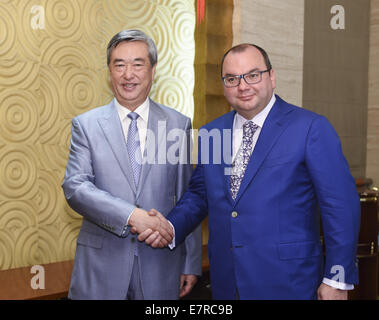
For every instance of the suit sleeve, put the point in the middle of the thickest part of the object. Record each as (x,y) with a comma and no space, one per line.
(193,242)
(98,206)
(338,200)
(192,207)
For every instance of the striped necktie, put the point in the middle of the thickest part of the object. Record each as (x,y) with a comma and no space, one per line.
(133,146)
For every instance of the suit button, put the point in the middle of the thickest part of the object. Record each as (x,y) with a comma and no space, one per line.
(234,214)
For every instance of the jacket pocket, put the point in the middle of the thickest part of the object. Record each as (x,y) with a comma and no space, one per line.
(90,240)
(299,250)
(279,160)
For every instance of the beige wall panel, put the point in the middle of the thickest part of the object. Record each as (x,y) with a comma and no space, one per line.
(49,74)
(336,73)
(372,165)
(278,27)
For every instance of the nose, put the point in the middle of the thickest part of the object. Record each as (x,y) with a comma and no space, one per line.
(128,72)
(243,85)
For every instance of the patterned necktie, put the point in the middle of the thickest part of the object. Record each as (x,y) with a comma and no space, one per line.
(133,146)
(242,158)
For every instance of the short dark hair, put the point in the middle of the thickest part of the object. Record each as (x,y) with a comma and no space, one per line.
(242,47)
(133,35)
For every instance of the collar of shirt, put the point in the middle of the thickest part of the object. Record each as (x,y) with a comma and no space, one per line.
(142,110)
(259,120)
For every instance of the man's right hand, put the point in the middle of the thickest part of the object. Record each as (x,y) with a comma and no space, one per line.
(146,223)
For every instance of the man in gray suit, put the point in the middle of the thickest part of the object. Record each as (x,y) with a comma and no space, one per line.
(115,173)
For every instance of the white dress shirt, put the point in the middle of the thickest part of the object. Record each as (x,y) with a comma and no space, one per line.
(239,121)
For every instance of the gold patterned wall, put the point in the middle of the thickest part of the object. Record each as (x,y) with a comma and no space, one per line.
(52,68)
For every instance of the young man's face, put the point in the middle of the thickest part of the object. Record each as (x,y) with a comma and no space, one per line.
(248,99)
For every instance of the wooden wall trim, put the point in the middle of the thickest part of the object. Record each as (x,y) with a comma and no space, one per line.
(213,37)
(15,284)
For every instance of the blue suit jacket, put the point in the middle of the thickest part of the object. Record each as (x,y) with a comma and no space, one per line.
(269,248)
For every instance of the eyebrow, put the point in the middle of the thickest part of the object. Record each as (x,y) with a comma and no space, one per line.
(233,75)
(123,60)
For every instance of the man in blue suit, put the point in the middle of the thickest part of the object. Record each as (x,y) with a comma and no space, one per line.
(263,206)
(114,175)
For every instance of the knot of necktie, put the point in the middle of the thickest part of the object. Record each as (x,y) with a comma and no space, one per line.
(133,115)
(249,128)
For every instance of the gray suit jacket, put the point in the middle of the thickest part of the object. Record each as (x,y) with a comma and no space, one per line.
(99,186)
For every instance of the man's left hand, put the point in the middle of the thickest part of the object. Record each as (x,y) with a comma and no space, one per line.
(187,281)
(326,292)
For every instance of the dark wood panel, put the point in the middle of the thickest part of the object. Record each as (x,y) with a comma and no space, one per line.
(16,284)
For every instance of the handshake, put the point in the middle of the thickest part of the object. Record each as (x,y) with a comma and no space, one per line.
(152,227)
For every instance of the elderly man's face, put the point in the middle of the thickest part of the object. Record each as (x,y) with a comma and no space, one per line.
(131,73)
(248,99)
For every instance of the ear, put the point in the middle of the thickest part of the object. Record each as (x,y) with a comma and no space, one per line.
(153,71)
(109,75)
(272,78)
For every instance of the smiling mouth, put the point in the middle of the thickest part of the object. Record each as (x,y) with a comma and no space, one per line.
(128,86)
(248,97)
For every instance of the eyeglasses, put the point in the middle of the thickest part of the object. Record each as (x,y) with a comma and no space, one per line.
(250,78)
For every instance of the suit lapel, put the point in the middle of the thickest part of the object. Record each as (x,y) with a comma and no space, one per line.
(272,128)
(112,129)
(156,136)
(227,152)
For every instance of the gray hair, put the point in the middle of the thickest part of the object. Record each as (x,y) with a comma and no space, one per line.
(133,35)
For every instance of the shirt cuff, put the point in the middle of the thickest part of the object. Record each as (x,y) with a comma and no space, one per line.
(172,244)
(337,284)
(130,214)
(126,226)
